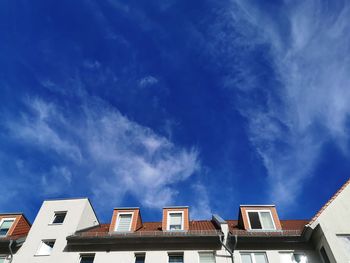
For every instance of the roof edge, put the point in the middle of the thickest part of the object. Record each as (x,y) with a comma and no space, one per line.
(319,212)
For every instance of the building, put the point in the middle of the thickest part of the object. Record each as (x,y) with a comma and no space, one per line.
(14,228)
(69,231)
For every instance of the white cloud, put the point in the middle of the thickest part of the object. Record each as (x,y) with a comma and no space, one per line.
(121,156)
(309,47)
(148,81)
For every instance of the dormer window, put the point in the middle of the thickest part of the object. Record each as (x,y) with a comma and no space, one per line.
(260,220)
(124,222)
(175,221)
(5,226)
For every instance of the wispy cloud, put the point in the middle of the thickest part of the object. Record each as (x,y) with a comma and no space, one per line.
(148,81)
(105,151)
(308,46)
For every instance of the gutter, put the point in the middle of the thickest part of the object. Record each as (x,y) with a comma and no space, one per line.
(10,249)
(229,250)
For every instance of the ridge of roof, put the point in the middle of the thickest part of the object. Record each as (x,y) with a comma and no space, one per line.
(329,201)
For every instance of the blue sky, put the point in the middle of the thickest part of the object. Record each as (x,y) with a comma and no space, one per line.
(152,103)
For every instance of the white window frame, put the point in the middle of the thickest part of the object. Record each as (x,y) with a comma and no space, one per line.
(6,219)
(258,211)
(182,220)
(206,252)
(54,216)
(40,244)
(118,220)
(253,253)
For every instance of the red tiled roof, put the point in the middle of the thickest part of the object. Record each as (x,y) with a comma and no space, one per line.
(296,226)
(157,226)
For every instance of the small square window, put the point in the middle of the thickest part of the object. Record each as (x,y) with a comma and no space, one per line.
(176,258)
(175,221)
(260,220)
(87,258)
(254,258)
(140,258)
(5,225)
(59,217)
(45,247)
(206,257)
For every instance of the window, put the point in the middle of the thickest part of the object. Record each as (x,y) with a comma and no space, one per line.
(45,247)
(59,217)
(124,222)
(254,258)
(178,258)
(345,240)
(175,221)
(260,220)
(324,255)
(140,258)
(87,258)
(293,258)
(206,257)
(5,226)
(2,259)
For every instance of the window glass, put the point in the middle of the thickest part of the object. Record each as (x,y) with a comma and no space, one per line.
(175,221)
(254,220)
(293,258)
(2,259)
(205,257)
(246,258)
(5,226)
(59,217)
(140,258)
(266,220)
(176,259)
(45,247)
(299,258)
(345,240)
(260,258)
(254,258)
(87,258)
(124,222)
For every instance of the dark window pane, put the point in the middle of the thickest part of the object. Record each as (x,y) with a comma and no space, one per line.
(254,220)
(87,259)
(140,259)
(59,218)
(176,259)
(324,255)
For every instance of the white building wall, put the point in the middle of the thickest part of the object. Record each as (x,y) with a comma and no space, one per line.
(333,221)
(79,214)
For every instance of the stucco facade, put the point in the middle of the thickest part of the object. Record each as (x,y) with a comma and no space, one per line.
(70,229)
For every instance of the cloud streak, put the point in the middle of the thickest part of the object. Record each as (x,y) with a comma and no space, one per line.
(100,147)
(308,43)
